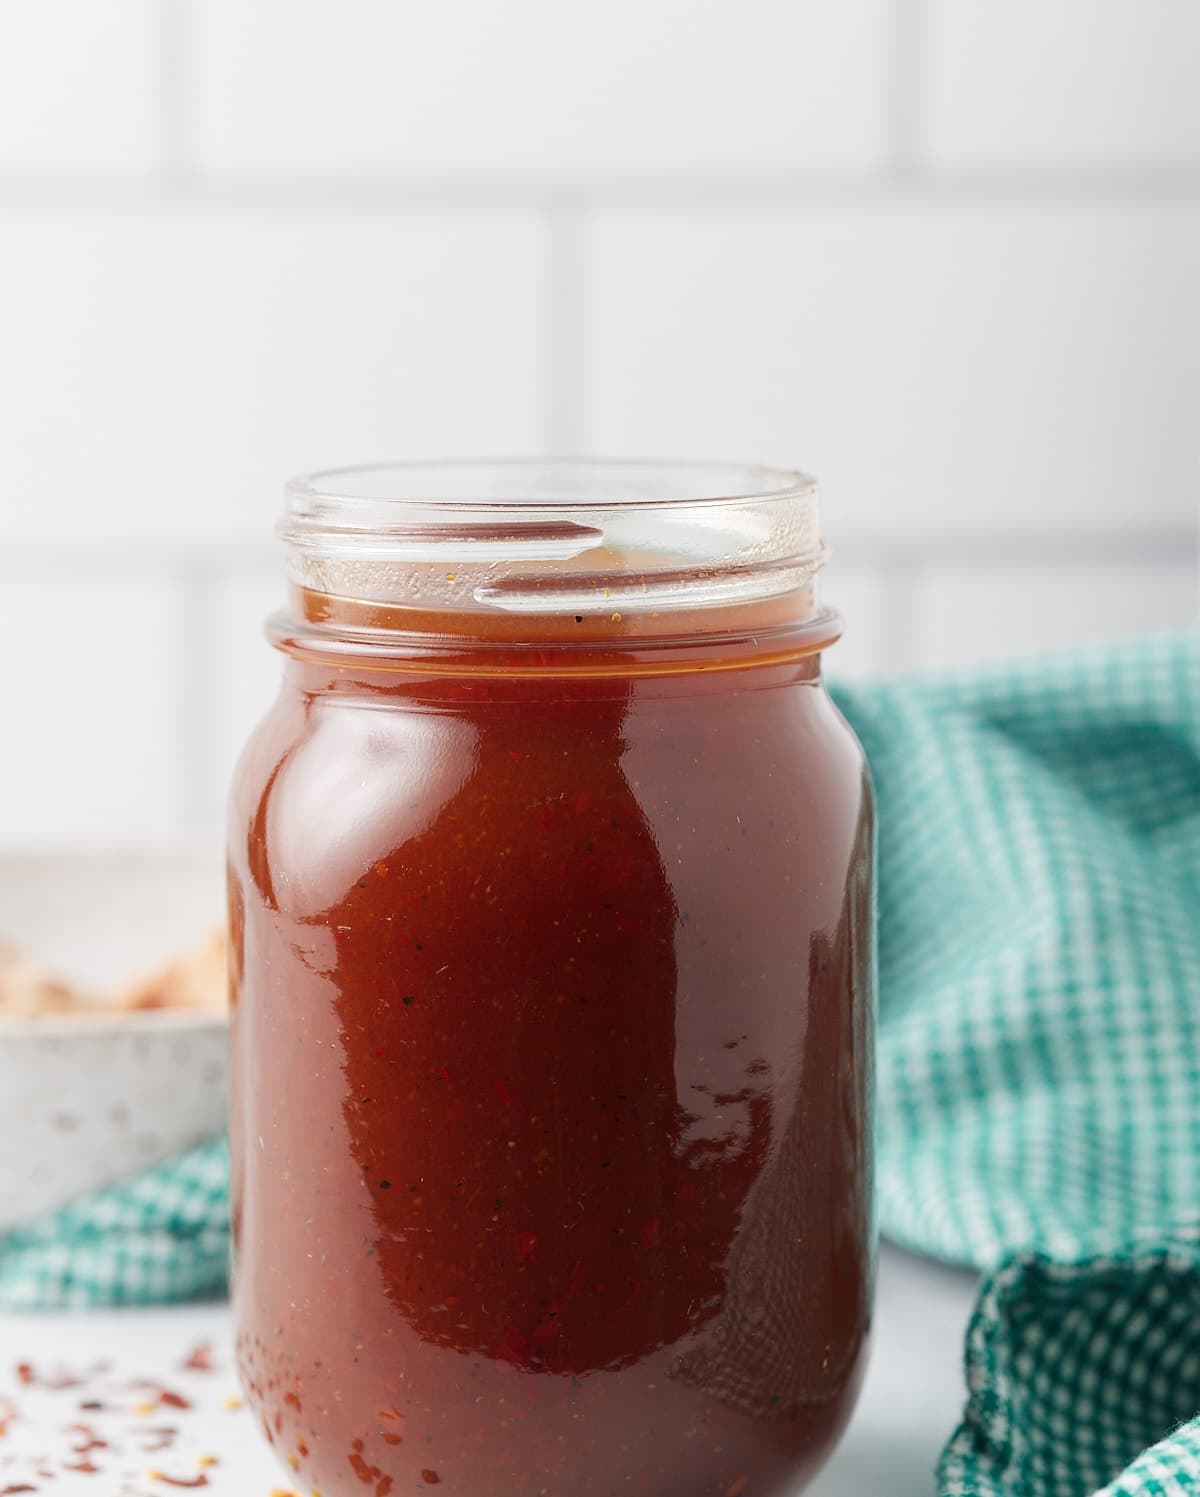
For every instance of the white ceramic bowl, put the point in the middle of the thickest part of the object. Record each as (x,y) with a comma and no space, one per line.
(86,1099)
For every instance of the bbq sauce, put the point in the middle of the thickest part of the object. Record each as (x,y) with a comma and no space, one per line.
(552,1014)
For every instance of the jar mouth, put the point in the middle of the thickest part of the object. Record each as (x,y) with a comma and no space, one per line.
(547,536)
(371,494)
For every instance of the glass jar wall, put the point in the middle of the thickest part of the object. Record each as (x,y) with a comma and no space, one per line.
(550,882)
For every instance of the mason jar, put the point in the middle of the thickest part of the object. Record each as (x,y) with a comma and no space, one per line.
(550,884)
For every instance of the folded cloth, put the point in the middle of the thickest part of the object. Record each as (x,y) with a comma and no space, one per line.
(1039,1058)
(1084,1377)
(1038,1077)
(163,1235)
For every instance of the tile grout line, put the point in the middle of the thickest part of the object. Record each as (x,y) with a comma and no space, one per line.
(685,192)
(563,293)
(907,67)
(176,94)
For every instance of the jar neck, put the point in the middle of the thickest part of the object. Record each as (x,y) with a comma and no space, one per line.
(555,568)
(338,631)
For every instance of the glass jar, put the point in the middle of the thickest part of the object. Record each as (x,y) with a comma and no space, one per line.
(550,878)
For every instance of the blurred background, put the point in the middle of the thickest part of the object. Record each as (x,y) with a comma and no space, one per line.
(944,254)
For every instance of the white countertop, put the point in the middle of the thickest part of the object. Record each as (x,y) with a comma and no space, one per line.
(914,1393)
(911,1402)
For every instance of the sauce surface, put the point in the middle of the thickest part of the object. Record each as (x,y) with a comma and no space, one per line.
(552,1011)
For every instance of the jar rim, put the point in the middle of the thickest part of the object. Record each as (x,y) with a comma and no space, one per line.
(552,535)
(368,494)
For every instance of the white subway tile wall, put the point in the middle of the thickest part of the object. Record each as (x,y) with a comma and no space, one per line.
(942,253)
(94,709)
(1055,83)
(537,86)
(957,367)
(176,361)
(80,86)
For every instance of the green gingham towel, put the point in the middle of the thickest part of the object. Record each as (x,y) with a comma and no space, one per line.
(163,1235)
(1039,1067)
(1039,1063)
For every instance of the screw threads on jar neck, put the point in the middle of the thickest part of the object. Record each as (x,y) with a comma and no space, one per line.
(550,538)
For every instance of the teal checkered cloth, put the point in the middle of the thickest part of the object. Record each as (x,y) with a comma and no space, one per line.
(1039,1063)
(163,1235)
(1039,1068)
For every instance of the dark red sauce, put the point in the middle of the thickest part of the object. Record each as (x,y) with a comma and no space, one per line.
(552,1013)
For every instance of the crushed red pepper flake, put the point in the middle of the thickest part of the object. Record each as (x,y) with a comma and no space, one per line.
(89,1440)
(394,1424)
(115,1446)
(367,1473)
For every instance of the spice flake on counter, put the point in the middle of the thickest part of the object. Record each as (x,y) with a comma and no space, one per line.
(69,1430)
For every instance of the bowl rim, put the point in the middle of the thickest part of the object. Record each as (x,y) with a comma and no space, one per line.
(131,1021)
